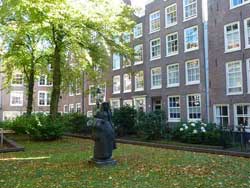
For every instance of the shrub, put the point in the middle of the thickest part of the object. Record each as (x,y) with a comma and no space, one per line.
(151,125)
(124,120)
(38,126)
(198,133)
(76,123)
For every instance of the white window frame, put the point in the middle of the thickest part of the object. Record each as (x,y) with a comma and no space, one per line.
(64,109)
(137,27)
(248,75)
(128,102)
(151,19)
(215,114)
(151,51)
(226,39)
(168,54)
(14,75)
(227,78)
(71,106)
(236,116)
(118,100)
(247,42)
(113,61)
(186,72)
(135,48)
(197,119)
(90,102)
(16,94)
(124,83)
(152,86)
(136,79)
(142,98)
(71,91)
(78,106)
(118,91)
(46,84)
(174,119)
(243,3)
(185,35)
(169,85)
(184,11)
(45,98)
(166,16)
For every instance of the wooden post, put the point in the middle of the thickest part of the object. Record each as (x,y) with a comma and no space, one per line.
(1,132)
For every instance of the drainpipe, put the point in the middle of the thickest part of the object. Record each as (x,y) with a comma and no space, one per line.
(206,58)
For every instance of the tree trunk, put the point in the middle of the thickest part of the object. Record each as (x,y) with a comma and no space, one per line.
(31,89)
(56,90)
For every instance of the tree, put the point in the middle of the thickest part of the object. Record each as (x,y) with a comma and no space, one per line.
(86,28)
(22,40)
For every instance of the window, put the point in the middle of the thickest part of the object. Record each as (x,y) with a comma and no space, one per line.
(172,44)
(43,98)
(89,114)
(92,95)
(221,115)
(171,15)
(194,107)
(138,54)
(242,114)
(174,110)
(155,22)
(155,49)
(126,37)
(173,75)
(116,61)
(232,37)
(44,81)
(116,84)
(127,83)
(248,75)
(66,109)
(191,37)
(71,108)
(156,78)
(17,79)
(247,32)
(78,107)
(128,103)
(234,78)
(115,103)
(192,72)
(140,103)
(237,3)
(126,62)
(10,115)
(138,31)
(189,9)
(139,81)
(16,98)
(71,90)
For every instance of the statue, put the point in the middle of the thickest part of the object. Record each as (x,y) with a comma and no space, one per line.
(104,136)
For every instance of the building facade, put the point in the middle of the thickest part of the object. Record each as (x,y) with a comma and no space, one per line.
(192,61)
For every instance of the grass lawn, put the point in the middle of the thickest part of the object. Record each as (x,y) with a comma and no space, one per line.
(64,163)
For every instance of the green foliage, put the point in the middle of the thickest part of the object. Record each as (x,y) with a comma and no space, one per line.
(198,133)
(124,120)
(76,123)
(151,125)
(38,127)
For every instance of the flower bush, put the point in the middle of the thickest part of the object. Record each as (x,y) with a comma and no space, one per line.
(198,133)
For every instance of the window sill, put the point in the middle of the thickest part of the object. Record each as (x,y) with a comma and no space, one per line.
(168,26)
(138,37)
(174,120)
(231,51)
(191,50)
(170,55)
(154,88)
(15,105)
(173,86)
(151,32)
(232,94)
(156,58)
(138,63)
(127,91)
(138,90)
(192,83)
(188,19)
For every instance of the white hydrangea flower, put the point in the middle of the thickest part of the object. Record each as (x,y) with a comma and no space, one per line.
(186,127)
(195,131)
(181,129)
(193,124)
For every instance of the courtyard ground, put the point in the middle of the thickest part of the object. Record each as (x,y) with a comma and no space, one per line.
(64,164)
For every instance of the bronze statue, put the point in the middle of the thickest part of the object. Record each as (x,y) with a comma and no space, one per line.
(104,136)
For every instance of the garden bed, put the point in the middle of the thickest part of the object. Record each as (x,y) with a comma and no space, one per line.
(10,146)
(176,146)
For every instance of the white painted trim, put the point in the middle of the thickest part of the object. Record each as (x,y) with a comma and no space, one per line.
(246,33)
(225,37)
(233,7)
(139,62)
(45,98)
(248,75)
(185,45)
(21,98)
(139,36)
(130,90)
(158,57)
(175,53)
(64,109)
(193,120)
(190,18)
(139,89)
(150,20)
(174,119)
(173,85)
(221,105)
(235,112)
(151,77)
(186,73)
(175,23)
(116,92)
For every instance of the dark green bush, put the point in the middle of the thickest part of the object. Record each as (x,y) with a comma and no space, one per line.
(152,125)
(76,123)
(38,126)
(124,120)
(198,133)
